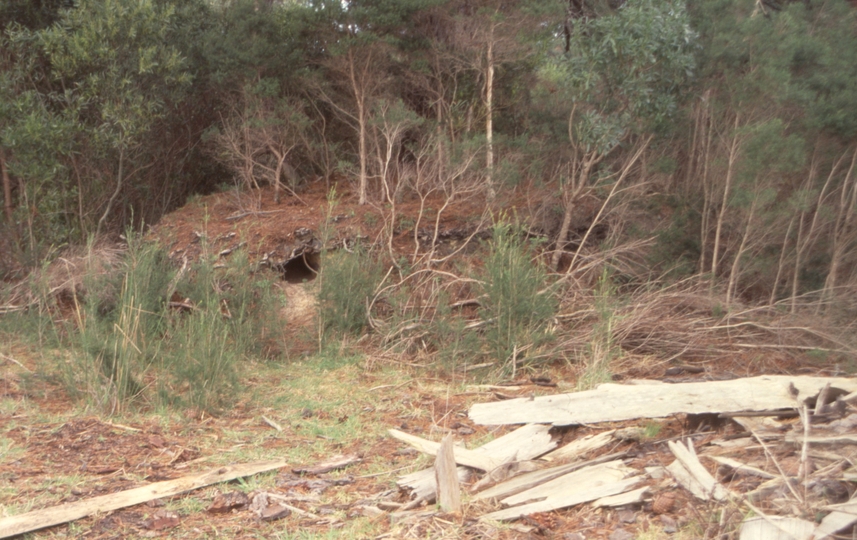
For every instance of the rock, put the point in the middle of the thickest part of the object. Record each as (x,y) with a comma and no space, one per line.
(627,516)
(163,519)
(274,512)
(670,525)
(226,502)
(621,534)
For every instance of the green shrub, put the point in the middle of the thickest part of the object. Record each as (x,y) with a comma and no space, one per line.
(518,303)
(246,298)
(201,369)
(348,283)
(120,325)
(126,345)
(454,345)
(602,349)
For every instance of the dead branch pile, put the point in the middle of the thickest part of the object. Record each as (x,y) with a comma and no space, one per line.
(63,281)
(686,321)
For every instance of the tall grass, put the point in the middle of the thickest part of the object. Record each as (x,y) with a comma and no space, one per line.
(348,283)
(125,346)
(119,323)
(602,349)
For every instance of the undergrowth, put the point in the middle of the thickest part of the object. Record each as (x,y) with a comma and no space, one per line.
(139,333)
(347,284)
(518,305)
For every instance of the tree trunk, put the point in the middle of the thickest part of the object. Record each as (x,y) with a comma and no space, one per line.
(707,190)
(7,192)
(803,242)
(571,192)
(278,172)
(489,119)
(360,100)
(734,272)
(844,223)
(730,175)
(781,263)
(120,180)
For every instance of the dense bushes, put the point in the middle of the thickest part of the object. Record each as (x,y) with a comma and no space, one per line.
(139,332)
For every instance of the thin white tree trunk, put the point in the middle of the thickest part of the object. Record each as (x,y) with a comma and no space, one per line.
(489,119)
(844,223)
(734,272)
(706,196)
(730,175)
(803,242)
(120,180)
(360,100)
(781,263)
(7,192)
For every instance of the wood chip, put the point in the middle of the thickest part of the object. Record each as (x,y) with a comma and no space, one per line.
(226,502)
(689,472)
(271,423)
(776,528)
(623,499)
(742,468)
(844,515)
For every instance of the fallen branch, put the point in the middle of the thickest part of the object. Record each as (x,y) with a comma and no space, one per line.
(9,358)
(257,213)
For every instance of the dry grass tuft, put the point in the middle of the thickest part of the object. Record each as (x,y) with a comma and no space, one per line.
(62,282)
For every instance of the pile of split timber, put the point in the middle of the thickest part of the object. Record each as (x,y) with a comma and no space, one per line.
(791,454)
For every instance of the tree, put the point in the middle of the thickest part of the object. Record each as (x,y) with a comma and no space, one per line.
(258,138)
(774,84)
(123,71)
(621,75)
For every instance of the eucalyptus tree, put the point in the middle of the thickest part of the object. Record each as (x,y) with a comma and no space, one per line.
(119,71)
(619,76)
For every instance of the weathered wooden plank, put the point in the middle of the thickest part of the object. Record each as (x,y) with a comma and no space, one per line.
(463,456)
(448,490)
(623,499)
(776,528)
(527,442)
(581,479)
(842,516)
(332,464)
(581,446)
(533,479)
(614,402)
(39,519)
(578,487)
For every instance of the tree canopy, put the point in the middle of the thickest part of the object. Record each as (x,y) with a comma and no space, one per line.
(738,115)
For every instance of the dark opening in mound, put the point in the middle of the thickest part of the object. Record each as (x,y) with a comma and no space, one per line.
(302,268)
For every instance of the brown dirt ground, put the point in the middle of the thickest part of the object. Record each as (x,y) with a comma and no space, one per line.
(105,457)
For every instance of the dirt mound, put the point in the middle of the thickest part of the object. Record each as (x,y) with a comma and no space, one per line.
(288,236)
